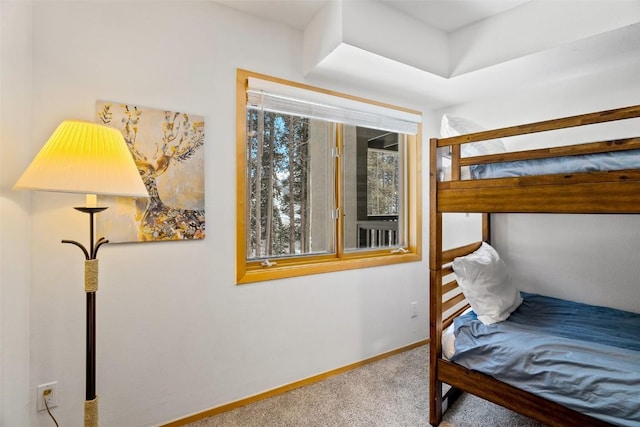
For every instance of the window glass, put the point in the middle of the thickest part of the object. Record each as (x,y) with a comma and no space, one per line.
(373,180)
(290,194)
(383,182)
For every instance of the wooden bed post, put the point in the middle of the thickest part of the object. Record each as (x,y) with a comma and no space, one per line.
(486,228)
(435,297)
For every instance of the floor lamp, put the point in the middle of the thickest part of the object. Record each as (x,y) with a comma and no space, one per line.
(84,157)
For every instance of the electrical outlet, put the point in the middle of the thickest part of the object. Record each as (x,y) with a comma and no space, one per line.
(49,392)
(414,309)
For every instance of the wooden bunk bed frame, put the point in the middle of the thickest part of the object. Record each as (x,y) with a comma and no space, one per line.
(589,192)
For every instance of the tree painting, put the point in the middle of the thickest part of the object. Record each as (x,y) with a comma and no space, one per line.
(167,148)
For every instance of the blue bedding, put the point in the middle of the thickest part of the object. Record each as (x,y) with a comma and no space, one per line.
(615,160)
(581,356)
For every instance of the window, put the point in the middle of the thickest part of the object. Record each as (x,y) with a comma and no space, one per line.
(326,182)
(383,175)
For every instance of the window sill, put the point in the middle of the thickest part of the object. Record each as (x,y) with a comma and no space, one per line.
(351,261)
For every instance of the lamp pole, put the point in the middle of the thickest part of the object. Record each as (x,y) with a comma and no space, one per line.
(90,287)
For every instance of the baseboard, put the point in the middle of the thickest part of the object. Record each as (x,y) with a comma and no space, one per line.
(288,387)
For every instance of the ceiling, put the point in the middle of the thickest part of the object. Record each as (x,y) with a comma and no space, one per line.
(447,52)
(445,15)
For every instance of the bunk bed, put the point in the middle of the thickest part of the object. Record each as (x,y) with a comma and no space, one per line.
(610,189)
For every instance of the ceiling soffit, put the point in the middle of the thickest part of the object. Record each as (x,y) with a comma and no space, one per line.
(362,40)
(530,28)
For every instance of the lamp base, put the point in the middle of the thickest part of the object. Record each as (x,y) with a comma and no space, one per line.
(91,413)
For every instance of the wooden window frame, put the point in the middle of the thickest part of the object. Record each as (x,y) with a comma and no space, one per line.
(254,271)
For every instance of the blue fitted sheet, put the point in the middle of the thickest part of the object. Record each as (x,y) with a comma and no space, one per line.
(581,356)
(615,160)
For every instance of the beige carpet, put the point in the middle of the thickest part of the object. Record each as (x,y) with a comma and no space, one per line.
(390,392)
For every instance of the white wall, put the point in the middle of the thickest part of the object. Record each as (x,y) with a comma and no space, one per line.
(175,334)
(589,258)
(15,238)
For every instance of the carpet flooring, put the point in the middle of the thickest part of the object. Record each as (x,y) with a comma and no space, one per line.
(387,393)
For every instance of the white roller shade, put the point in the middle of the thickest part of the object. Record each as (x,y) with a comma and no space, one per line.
(280,98)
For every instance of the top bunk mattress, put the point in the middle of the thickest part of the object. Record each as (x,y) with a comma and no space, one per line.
(581,356)
(609,161)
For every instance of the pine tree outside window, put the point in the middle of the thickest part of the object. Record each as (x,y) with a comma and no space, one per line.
(326,182)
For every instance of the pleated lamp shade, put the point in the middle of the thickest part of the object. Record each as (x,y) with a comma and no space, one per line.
(84,157)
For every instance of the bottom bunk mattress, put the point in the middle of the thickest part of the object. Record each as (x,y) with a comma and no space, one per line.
(581,356)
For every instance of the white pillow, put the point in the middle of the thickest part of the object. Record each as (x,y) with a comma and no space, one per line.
(454,126)
(484,280)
